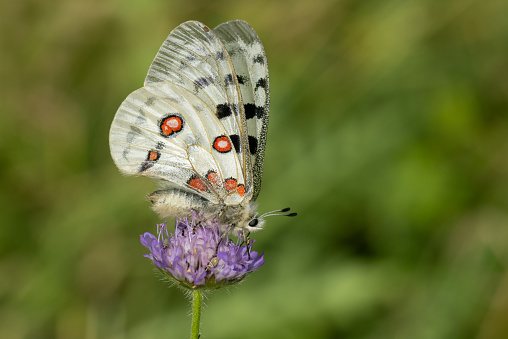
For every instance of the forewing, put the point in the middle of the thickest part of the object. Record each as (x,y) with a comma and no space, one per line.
(167,132)
(249,60)
(194,58)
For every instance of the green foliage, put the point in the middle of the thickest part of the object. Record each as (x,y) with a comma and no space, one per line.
(388,135)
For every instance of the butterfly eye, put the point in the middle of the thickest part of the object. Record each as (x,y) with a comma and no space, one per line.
(253,222)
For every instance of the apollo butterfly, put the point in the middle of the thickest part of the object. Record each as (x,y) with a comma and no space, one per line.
(199,125)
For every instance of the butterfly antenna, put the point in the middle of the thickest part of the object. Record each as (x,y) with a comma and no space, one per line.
(279,212)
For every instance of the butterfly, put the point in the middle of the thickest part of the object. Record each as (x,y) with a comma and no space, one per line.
(199,125)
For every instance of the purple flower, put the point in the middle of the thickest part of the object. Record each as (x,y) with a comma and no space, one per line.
(192,258)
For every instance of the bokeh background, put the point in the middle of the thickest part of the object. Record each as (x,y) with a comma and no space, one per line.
(388,135)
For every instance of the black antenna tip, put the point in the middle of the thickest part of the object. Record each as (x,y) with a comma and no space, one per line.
(285,209)
(291,215)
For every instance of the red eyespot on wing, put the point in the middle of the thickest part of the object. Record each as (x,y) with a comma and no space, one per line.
(170,125)
(214,179)
(197,183)
(153,155)
(222,144)
(241,190)
(151,158)
(230,184)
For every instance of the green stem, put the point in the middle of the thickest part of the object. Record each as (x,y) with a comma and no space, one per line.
(196,313)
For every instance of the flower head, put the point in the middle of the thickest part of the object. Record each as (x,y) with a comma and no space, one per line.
(199,255)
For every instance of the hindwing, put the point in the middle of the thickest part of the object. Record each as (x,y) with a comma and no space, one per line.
(166,132)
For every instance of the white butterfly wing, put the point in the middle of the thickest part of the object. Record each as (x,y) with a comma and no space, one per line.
(167,132)
(249,61)
(194,58)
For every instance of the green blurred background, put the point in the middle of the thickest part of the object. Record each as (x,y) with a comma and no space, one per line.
(388,135)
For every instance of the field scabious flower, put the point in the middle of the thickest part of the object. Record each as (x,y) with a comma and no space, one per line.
(199,256)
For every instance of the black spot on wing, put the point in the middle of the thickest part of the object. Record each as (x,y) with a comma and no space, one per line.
(223,111)
(261,83)
(150,101)
(159,145)
(260,111)
(252,111)
(220,55)
(235,140)
(253,144)
(234,51)
(241,79)
(202,82)
(259,59)
(228,80)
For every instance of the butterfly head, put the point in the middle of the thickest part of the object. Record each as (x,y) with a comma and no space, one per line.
(256,222)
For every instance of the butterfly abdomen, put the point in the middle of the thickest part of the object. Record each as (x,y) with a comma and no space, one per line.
(177,203)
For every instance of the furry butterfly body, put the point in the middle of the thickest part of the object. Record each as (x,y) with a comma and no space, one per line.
(199,124)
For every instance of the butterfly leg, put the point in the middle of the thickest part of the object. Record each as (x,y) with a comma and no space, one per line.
(215,260)
(223,236)
(246,241)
